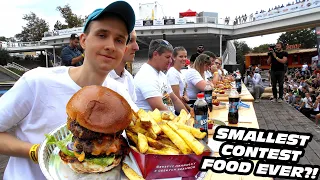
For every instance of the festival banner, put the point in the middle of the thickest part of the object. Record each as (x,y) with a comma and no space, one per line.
(139,23)
(288,9)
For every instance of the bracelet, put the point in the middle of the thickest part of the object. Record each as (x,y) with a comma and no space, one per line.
(216,72)
(33,154)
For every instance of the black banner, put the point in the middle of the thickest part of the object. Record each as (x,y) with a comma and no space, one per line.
(148,23)
(169,21)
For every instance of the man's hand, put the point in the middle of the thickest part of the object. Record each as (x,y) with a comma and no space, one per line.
(213,68)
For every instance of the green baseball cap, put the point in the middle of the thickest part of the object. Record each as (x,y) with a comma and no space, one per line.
(119,8)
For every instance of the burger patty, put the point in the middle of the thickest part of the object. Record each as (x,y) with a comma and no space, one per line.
(68,159)
(82,132)
(105,145)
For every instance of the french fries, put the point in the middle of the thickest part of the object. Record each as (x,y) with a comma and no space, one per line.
(176,139)
(142,143)
(194,131)
(165,134)
(133,137)
(130,173)
(156,115)
(194,144)
(155,144)
(163,151)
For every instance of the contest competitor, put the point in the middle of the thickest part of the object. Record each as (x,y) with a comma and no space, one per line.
(120,73)
(71,55)
(36,104)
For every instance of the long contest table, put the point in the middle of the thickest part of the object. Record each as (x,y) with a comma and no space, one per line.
(244,96)
(248,119)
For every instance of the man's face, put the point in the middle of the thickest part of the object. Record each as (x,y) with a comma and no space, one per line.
(212,60)
(278,47)
(218,63)
(132,47)
(75,42)
(200,49)
(163,60)
(105,44)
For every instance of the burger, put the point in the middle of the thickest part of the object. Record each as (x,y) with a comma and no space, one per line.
(97,117)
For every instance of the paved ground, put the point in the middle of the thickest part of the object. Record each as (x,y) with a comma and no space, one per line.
(281,116)
(273,116)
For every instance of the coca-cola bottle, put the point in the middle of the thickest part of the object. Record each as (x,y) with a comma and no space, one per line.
(234,100)
(201,115)
(208,95)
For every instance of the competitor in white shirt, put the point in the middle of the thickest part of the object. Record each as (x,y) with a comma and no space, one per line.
(222,72)
(195,76)
(176,78)
(36,104)
(120,74)
(151,84)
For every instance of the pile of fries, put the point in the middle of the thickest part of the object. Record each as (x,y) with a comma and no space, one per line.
(164,133)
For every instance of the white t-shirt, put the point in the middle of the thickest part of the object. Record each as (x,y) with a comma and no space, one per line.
(306,104)
(176,78)
(37,105)
(207,75)
(304,67)
(127,80)
(149,83)
(192,77)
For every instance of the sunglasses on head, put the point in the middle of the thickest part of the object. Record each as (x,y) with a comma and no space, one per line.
(163,43)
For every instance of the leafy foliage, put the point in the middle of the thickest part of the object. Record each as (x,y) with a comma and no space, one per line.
(72,20)
(34,29)
(306,37)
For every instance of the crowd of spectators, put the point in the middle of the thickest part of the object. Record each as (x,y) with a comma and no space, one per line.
(302,90)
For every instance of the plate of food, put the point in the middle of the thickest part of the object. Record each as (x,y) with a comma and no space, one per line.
(90,145)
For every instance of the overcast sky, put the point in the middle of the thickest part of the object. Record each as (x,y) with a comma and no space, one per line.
(12,11)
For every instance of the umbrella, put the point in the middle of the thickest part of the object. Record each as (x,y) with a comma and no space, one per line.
(188,13)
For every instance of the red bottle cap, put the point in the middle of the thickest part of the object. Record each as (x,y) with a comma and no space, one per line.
(200,95)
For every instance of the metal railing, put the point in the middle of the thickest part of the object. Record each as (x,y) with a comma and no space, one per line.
(26,44)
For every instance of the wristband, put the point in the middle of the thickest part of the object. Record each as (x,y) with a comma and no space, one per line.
(33,154)
(216,72)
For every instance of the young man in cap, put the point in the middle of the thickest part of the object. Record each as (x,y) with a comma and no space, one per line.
(120,74)
(151,84)
(37,102)
(71,55)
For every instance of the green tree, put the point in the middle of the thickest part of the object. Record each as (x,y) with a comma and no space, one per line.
(34,30)
(2,38)
(261,49)
(72,20)
(242,49)
(59,26)
(306,37)
(4,57)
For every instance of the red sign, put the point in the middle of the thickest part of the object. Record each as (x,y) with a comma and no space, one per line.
(294,46)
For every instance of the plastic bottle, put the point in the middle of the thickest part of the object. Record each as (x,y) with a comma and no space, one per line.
(208,95)
(201,115)
(234,100)
(238,83)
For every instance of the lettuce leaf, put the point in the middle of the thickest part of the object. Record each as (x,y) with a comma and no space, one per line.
(62,145)
(104,161)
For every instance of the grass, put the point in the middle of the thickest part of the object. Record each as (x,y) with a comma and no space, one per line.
(16,71)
